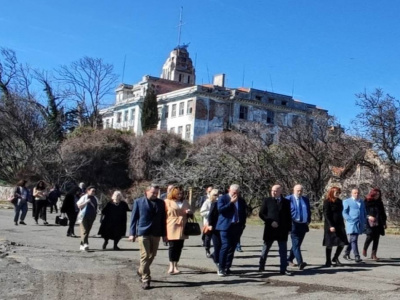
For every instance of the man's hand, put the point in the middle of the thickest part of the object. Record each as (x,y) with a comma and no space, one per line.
(234,198)
(132,238)
(274,224)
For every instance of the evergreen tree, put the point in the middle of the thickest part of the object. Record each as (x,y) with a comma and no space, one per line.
(149,117)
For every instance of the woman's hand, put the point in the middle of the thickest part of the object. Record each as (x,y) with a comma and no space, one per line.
(371,218)
(332,229)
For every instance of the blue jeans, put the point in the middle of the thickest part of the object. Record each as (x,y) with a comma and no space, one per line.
(20,208)
(282,254)
(229,240)
(295,251)
(353,244)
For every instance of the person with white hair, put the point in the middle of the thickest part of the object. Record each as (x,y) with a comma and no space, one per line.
(232,214)
(113,223)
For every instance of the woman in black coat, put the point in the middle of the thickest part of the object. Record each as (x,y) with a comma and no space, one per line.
(113,223)
(334,228)
(69,207)
(376,221)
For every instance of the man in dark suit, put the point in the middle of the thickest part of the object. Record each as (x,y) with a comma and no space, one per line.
(301,217)
(231,221)
(275,212)
(148,224)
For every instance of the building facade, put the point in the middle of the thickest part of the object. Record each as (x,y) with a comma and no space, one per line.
(191,110)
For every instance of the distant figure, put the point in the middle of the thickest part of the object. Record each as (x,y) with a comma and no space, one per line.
(87,204)
(40,193)
(355,216)
(376,221)
(212,224)
(163,196)
(70,208)
(276,214)
(334,229)
(53,197)
(113,224)
(204,197)
(82,188)
(232,210)
(148,225)
(204,212)
(301,217)
(20,203)
(177,210)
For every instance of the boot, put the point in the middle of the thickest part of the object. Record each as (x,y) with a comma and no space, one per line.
(335,259)
(328,254)
(373,255)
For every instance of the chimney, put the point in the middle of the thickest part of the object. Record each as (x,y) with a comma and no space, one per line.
(219,80)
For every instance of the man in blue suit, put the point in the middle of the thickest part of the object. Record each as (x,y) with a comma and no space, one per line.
(355,215)
(148,224)
(301,217)
(231,222)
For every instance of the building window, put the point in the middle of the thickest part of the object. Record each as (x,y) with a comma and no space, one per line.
(180,77)
(271,100)
(187,132)
(125,116)
(181,108)
(119,116)
(108,123)
(173,113)
(159,113)
(258,97)
(180,130)
(166,111)
(172,130)
(244,110)
(189,107)
(188,81)
(133,114)
(270,117)
(284,103)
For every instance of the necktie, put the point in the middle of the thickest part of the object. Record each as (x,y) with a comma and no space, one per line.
(300,211)
(236,218)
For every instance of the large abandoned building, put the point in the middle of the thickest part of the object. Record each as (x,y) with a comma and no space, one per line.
(191,110)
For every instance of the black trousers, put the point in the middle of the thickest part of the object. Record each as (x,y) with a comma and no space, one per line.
(72,220)
(40,210)
(175,249)
(374,238)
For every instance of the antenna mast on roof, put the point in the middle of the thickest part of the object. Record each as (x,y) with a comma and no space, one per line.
(123,69)
(180,27)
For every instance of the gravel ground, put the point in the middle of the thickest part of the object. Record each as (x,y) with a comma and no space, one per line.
(40,262)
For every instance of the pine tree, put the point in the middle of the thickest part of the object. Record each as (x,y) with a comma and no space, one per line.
(149,117)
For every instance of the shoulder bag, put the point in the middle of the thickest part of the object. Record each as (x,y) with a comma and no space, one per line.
(192,227)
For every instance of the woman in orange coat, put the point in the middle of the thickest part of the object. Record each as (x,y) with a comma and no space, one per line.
(177,210)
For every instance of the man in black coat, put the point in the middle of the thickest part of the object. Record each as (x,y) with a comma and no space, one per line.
(275,212)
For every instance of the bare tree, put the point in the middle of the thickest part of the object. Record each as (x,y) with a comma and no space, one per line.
(88,81)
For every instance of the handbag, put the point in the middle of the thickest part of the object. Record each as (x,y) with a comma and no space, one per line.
(13,199)
(62,220)
(192,227)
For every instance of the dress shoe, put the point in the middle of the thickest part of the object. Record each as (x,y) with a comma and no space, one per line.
(68,234)
(336,261)
(302,266)
(16,223)
(228,271)
(45,223)
(261,269)
(287,273)
(328,264)
(22,223)
(358,259)
(346,257)
(208,254)
(239,249)
(116,248)
(73,235)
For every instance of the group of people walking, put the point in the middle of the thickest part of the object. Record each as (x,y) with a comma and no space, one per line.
(224,219)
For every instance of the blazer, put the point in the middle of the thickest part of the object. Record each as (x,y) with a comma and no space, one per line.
(270,212)
(226,210)
(148,217)
(176,219)
(293,206)
(355,216)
